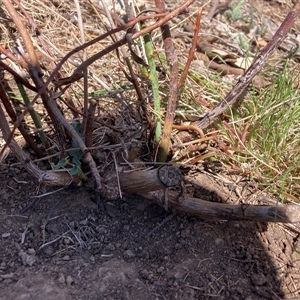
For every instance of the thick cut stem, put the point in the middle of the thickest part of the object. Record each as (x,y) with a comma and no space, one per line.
(150,180)
(222,211)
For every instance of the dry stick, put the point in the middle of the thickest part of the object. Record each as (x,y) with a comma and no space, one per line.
(12,114)
(57,118)
(152,185)
(21,61)
(132,78)
(24,34)
(17,76)
(192,51)
(77,112)
(81,47)
(194,206)
(255,67)
(85,72)
(148,180)
(89,123)
(48,53)
(164,145)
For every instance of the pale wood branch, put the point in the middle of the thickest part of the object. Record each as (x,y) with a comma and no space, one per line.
(213,210)
(148,184)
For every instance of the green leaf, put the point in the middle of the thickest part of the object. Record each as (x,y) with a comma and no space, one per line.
(62,163)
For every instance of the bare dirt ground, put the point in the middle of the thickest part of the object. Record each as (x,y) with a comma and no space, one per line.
(65,246)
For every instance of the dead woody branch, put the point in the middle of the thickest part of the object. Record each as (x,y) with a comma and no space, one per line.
(157,192)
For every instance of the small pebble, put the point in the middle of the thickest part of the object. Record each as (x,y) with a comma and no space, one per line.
(61,278)
(219,241)
(5,235)
(31,251)
(144,274)
(258,279)
(69,280)
(129,254)
(67,242)
(83,222)
(185,233)
(27,260)
(111,247)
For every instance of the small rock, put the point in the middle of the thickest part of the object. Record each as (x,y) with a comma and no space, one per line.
(27,260)
(31,251)
(9,275)
(66,242)
(185,233)
(61,278)
(258,279)
(83,222)
(111,210)
(5,235)
(111,247)
(144,274)
(178,246)
(101,230)
(129,254)
(48,250)
(219,241)
(145,254)
(72,224)
(69,280)
(66,257)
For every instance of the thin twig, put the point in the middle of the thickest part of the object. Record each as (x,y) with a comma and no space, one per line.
(192,51)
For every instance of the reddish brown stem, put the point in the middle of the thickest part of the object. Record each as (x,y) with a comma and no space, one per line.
(24,34)
(17,76)
(11,112)
(192,51)
(90,123)
(19,60)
